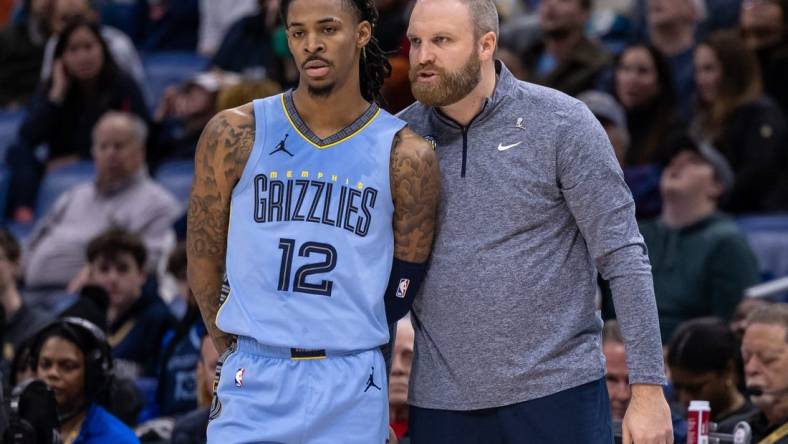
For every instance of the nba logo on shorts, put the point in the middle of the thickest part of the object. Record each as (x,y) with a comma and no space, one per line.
(239,377)
(402,288)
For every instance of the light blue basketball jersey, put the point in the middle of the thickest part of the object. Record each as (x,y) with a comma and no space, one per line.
(310,242)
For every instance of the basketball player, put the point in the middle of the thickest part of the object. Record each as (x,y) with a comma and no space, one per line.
(533,203)
(319,208)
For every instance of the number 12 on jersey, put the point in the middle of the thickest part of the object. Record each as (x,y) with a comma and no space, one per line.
(288,247)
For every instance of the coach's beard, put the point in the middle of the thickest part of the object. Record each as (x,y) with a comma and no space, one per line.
(451,87)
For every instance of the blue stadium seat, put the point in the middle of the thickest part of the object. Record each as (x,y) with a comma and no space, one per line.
(768,237)
(176,177)
(20,231)
(124,15)
(60,180)
(170,68)
(5,179)
(9,127)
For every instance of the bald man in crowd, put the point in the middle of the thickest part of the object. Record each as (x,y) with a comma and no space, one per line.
(122,194)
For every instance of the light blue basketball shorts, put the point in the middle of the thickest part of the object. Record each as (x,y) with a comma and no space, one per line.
(290,396)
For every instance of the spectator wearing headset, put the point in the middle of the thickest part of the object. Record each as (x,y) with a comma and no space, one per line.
(73,358)
(765,353)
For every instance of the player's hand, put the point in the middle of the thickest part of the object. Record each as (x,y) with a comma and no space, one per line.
(647,420)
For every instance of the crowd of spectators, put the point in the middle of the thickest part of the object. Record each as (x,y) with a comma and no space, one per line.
(693,95)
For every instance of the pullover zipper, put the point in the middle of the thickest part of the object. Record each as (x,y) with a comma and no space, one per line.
(464,148)
(464,130)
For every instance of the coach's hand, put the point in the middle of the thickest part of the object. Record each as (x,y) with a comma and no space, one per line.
(647,420)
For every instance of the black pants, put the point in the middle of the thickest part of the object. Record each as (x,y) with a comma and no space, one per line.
(580,415)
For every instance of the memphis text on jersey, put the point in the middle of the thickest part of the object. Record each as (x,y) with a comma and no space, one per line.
(314,197)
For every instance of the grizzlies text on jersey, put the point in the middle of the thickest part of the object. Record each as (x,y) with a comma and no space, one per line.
(310,242)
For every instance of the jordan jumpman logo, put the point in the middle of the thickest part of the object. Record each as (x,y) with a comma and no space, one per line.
(281,147)
(371,381)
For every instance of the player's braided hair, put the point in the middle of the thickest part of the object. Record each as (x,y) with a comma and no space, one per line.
(374,65)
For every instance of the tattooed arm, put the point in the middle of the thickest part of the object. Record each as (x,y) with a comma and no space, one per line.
(221,156)
(415,187)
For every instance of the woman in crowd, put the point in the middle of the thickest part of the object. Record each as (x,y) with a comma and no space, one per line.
(73,358)
(734,116)
(644,87)
(85,83)
(705,363)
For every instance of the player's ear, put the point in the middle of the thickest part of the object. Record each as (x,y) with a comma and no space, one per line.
(363,34)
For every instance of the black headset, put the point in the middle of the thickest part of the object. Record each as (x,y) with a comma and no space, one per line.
(98,353)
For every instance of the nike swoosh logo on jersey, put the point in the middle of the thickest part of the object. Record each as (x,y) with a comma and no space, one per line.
(506,147)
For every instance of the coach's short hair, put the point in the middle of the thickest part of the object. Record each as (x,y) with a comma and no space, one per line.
(484,15)
(771,314)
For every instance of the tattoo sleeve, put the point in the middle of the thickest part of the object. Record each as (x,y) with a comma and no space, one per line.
(415,185)
(222,152)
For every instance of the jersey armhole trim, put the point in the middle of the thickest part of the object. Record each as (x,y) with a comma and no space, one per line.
(397,130)
(257,147)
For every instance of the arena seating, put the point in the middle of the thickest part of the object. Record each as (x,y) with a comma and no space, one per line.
(9,126)
(4,182)
(768,237)
(176,177)
(163,69)
(60,180)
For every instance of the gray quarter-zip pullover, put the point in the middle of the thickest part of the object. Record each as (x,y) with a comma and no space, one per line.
(533,205)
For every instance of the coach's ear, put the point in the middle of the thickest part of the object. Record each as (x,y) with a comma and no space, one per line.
(488,43)
(364,34)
